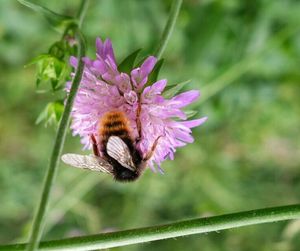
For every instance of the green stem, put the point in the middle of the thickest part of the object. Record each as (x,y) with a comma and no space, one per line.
(82,11)
(38,222)
(173,230)
(168,28)
(37,227)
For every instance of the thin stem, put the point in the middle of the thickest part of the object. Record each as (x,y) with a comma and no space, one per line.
(173,230)
(37,227)
(82,11)
(38,222)
(168,28)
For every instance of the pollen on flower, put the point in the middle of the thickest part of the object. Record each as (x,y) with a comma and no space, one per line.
(103,88)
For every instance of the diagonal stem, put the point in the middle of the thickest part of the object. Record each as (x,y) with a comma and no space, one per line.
(172,230)
(82,11)
(175,8)
(38,222)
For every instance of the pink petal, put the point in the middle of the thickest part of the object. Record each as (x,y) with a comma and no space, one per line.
(148,66)
(73,61)
(108,50)
(159,86)
(194,123)
(131,97)
(186,98)
(99,47)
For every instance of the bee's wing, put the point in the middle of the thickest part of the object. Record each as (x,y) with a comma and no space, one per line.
(117,149)
(87,162)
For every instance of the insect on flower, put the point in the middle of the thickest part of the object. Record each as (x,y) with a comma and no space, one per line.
(117,154)
(124,119)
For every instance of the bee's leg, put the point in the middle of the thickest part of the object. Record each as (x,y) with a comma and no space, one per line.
(138,121)
(150,153)
(95,145)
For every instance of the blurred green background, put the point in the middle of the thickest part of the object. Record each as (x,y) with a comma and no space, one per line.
(244,56)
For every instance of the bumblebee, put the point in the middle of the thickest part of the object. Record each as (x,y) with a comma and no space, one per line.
(115,149)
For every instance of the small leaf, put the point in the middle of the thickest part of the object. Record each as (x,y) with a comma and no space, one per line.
(171,90)
(51,113)
(58,49)
(54,84)
(127,64)
(43,115)
(38,82)
(50,69)
(60,22)
(155,72)
(58,109)
(36,59)
(190,113)
(59,67)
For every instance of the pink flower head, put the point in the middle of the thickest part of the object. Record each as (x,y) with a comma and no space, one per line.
(103,88)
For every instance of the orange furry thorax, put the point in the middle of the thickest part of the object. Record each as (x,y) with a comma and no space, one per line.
(114,123)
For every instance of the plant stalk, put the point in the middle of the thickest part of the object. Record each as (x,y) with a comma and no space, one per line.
(82,11)
(38,222)
(172,230)
(175,8)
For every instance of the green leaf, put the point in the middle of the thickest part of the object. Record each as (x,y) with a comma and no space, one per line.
(43,115)
(58,49)
(58,109)
(36,59)
(54,84)
(171,90)
(59,22)
(38,82)
(50,69)
(47,69)
(51,113)
(190,113)
(127,64)
(152,78)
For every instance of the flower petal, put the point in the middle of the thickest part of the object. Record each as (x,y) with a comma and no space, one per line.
(131,97)
(148,66)
(108,50)
(73,61)
(99,47)
(159,86)
(194,123)
(186,98)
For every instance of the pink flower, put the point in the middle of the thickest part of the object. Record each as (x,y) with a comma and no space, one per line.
(103,88)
